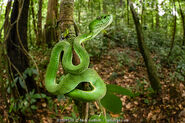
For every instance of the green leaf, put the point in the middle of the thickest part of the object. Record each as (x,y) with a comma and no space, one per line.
(32,100)
(28,71)
(14,81)
(97,119)
(22,83)
(73,115)
(111,103)
(11,107)
(34,107)
(39,96)
(66,33)
(103,118)
(146,101)
(24,75)
(8,89)
(119,90)
(35,71)
(59,97)
(94,119)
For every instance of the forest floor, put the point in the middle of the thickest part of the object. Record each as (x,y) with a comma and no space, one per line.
(167,106)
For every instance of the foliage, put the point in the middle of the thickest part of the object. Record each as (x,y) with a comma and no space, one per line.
(141,88)
(94,47)
(110,101)
(104,119)
(21,79)
(25,104)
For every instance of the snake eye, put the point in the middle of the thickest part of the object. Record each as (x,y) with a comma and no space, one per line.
(104,17)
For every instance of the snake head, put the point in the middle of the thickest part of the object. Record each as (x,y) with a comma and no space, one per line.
(99,24)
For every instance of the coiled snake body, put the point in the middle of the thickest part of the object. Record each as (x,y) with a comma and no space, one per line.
(75,74)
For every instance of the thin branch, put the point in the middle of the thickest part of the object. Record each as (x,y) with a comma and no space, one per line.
(16,69)
(86,112)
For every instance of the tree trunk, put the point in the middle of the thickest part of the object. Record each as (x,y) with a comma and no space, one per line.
(115,18)
(128,20)
(79,11)
(183,23)
(143,13)
(33,18)
(152,15)
(157,15)
(173,32)
(166,34)
(122,4)
(50,33)
(151,69)
(6,22)
(16,42)
(3,60)
(104,7)
(67,24)
(39,24)
(30,29)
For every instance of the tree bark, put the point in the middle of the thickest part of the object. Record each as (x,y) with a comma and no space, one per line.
(39,24)
(6,22)
(18,61)
(104,7)
(151,69)
(115,15)
(33,18)
(50,33)
(128,20)
(3,60)
(166,26)
(173,32)
(157,15)
(79,11)
(67,24)
(143,12)
(183,22)
(152,15)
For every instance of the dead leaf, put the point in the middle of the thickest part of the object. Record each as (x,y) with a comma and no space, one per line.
(182,113)
(129,105)
(149,115)
(154,117)
(183,94)
(44,105)
(135,102)
(114,115)
(181,87)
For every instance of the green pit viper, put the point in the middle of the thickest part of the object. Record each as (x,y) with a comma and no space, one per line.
(75,74)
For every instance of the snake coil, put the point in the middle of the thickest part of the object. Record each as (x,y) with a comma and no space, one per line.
(75,74)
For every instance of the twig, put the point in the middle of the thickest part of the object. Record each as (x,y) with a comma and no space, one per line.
(102,109)
(19,73)
(86,112)
(95,103)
